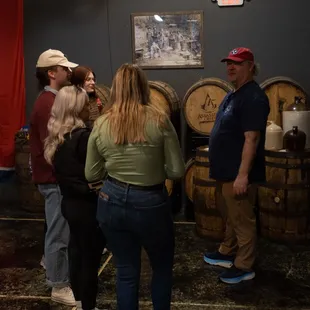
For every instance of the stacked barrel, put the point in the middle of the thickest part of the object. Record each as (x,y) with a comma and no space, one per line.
(30,198)
(283,202)
(200,105)
(166,98)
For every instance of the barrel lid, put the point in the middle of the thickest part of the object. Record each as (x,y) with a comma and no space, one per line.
(201,103)
(281,92)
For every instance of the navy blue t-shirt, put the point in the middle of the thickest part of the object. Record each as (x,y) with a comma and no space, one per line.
(244,110)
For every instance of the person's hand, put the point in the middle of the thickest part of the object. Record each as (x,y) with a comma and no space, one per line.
(240,186)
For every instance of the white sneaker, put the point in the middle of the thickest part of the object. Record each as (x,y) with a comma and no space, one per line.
(63,295)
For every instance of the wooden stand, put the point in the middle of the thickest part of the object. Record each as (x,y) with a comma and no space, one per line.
(164,97)
(30,198)
(284,201)
(209,222)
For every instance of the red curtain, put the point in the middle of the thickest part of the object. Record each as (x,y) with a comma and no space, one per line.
(12,79)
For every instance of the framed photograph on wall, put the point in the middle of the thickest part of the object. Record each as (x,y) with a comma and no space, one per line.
(168,40)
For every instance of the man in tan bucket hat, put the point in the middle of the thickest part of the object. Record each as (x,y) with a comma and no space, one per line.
(53,72)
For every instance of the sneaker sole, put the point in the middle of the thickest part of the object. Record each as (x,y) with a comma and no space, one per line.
(221,263)
(63,302)
(239,279)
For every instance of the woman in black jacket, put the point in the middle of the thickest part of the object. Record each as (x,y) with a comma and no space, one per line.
(65,149)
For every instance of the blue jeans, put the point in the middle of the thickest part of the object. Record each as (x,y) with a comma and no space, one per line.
(132,219)
(56,237)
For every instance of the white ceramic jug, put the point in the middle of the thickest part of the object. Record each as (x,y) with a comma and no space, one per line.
(274,137)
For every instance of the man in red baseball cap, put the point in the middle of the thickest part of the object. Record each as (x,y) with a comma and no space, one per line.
(239,130)
(240,66)
(239,54)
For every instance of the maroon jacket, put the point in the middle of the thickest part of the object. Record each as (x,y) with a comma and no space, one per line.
(42,172)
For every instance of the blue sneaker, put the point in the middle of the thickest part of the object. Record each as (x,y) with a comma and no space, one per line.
(218,259)
(235,275)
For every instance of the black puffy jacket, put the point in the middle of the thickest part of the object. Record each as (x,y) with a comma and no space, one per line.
(69,164)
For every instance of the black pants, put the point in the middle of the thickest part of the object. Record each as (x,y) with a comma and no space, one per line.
(85,248)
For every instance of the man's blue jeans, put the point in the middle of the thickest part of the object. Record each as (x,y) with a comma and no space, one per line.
(56,237)
(131,219)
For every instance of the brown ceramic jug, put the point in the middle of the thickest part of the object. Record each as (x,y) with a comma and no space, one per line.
(294,140)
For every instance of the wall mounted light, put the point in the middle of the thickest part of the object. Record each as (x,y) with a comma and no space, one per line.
(229,2)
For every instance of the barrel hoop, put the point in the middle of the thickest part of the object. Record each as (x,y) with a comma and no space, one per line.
(208,82)
(286,233)
(282,79)
(210,212)
(279,186)
(291,155)
(174,103)
(103,92)
(209,229)
(202,164)
(204,183)
(288,166)
(189,164)
(202,153)
(283,213)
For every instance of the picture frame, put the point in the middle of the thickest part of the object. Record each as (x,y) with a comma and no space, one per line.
(168,40)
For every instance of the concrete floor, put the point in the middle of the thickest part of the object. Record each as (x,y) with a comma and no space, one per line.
(282,281)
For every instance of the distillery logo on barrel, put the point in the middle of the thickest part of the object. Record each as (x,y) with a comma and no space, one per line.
(202,101)
(209,108)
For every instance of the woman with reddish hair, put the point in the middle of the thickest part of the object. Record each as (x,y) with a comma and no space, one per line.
(85,77)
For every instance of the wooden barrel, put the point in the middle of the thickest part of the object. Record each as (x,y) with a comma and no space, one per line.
(22,157)
(281,92)
(30,198)
(189,178)
(97,106)
(164,96)
(209,222)
(201,103)
(169,186)
(94,112)
(103,93)
(284,201)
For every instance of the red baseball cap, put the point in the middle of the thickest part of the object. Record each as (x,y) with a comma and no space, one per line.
(239,54)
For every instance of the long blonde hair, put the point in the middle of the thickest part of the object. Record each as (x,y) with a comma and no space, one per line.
(65,117)
(130,106)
